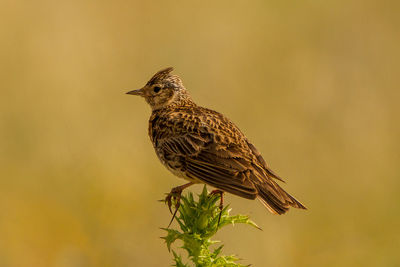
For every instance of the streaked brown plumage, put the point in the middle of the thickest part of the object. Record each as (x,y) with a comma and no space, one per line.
(203,146)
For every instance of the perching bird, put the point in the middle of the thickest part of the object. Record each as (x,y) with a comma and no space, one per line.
(203,146)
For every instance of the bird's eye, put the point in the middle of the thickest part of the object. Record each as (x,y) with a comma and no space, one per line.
(156,89)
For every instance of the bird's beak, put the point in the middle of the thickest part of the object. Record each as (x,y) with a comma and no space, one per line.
(139,92)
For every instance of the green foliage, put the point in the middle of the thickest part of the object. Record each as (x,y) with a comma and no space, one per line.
(198,222)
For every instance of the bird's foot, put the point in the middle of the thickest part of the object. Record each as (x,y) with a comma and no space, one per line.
(175,196)
(221,203)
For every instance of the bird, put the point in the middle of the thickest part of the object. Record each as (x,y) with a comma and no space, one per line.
(201,145)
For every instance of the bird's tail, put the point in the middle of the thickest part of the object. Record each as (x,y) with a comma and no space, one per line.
(275,199)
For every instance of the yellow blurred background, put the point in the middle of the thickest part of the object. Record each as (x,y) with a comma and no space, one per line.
(313,84)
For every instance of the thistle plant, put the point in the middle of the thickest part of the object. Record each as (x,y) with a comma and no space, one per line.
(198,222)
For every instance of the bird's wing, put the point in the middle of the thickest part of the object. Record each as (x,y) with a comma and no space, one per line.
(202,161)
(213,151)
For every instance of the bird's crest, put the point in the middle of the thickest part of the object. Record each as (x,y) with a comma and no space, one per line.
(161,75)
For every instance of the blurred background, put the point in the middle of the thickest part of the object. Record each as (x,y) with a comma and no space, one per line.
(313,84)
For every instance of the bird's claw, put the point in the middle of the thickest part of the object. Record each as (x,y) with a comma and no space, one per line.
(168,200)
(173,196)
(221,204)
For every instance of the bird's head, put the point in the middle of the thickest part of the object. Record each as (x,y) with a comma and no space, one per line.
(164,89)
